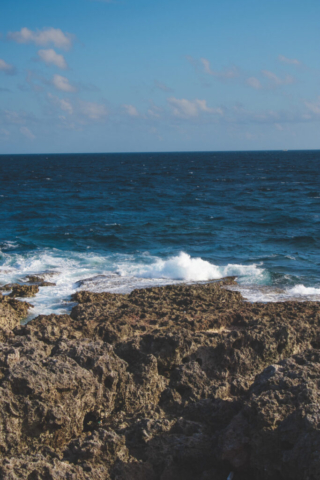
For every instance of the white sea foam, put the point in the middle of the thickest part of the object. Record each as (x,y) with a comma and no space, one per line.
(302,290)
(59,267)
(8,245)
(185,268)
(263,293)
(72,271)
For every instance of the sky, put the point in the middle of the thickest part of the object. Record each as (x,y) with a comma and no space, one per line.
(136,75)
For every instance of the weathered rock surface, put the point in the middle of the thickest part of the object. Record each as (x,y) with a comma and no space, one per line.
(11,312)
(28,289)
(172,383)
(24,291)
(39,280)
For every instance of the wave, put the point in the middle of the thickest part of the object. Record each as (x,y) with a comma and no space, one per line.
(118,273)
(302,290)
(9,245)
(122,273)
(263,293)
(185,268)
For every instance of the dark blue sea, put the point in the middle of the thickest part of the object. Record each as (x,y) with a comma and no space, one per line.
(116,222)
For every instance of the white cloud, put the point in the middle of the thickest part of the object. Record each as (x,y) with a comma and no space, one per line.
(274,81)
(314,107)
(63,104)
(27,133)
(50,57)
(66,106)
(6,67)
(80,110)
(154,111)
(131,110)
(187,108)
(277,80)
(206,65)
(43,37)
(92,110)
(254,83)
(162,86)
(222,74)
(289,61)
(62,83)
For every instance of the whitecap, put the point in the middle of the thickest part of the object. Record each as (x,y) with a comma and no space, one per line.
(263,293)
(122,273)
(184,268)
(302,290)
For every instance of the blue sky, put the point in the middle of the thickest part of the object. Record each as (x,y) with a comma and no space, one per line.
(126,75)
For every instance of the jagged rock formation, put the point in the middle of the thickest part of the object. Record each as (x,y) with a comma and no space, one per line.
(172,383)
(11,312)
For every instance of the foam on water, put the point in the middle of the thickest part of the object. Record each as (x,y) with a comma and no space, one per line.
(264,293)
(185,268)
(253,215)
(73,271)
(302,290)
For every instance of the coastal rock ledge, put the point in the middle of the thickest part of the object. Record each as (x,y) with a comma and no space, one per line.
(184,382)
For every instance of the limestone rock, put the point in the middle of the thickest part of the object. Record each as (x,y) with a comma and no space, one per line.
(24,291)
(184,382)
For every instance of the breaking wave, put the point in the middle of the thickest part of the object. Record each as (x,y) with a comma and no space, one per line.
(185,268)
(118,273)
(302,290)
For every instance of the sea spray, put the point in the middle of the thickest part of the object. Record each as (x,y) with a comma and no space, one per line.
(73,271)
(183,267)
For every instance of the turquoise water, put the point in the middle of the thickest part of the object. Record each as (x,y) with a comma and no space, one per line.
(122,221)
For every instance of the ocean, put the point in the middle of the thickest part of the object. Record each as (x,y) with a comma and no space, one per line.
(116,222)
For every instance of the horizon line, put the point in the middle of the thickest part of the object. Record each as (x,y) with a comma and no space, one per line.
(165,152)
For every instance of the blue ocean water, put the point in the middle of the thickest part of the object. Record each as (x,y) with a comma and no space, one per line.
(116,222)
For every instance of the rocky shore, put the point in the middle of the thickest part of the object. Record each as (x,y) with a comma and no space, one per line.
(172,383)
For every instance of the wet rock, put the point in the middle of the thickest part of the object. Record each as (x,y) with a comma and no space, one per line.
(34,278)
(24,291)
(46,284)
(9,286)
(38,280)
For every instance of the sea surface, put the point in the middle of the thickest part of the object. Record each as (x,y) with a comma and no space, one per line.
(116,222)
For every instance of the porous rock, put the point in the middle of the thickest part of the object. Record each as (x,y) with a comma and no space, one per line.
(24,291)
(11,312)
(184,382)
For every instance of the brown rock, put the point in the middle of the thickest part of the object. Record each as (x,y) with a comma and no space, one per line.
(9,286)
(173,383)
(11,311)
(39,280)
(24,291)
